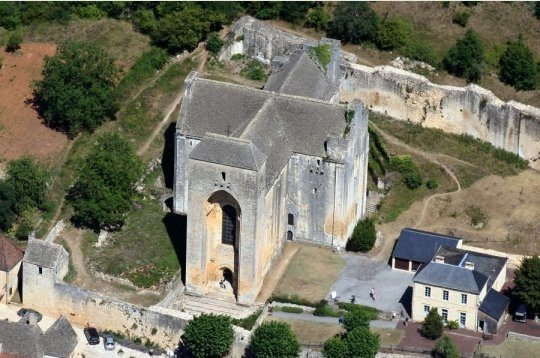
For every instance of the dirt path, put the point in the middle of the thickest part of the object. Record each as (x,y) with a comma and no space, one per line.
(382,254)
(172,106)
(272,278)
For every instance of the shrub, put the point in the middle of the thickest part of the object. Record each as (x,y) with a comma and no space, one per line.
(144,21)
(403,164)
(394,32)
(327,311)
(209,335)
(413,180)
(14,41)
(294,299)
(445,348)
(317,18)
(476,215)
(335,347)
(363,236)
(25,225)
(420,51)
(453,325)
(254,71)
(362,342)
(274,339)
(517,66)
(238,56)
(432,183)
(356,318)
(247,322)
(465,59)
(371,313)
(214,43)
(289,309)
(322,53)
(432,326)
(461,18)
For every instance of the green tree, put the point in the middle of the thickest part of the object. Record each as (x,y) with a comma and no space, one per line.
(264,10)
(91,11)
(362,342)
(317,18)
(355,318)
(145,21)
(537,9)
(10,15)
(363,236)
(527,280)
(7,206)
(335,347)
(432,326)
(413,180)
(294,11)
(78,88)
(517,66)
(394,32)
(29,183)
(104,188)
(354,22)
(465,59)
(274,339)
(14,41)
(209,336)
(214,43)
(445,348)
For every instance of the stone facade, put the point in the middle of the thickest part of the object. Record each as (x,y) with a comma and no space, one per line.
(288,163)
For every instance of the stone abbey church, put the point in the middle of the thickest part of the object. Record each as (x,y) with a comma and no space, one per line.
(257,167)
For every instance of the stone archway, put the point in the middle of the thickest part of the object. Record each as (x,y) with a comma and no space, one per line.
(223,224)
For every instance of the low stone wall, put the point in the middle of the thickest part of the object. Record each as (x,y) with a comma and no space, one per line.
(471,110)
(84,307)
(522,337)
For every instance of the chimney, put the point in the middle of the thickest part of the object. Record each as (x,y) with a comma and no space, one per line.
(439,259)
(469,265)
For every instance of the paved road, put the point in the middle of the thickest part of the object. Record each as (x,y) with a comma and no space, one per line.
(362,274)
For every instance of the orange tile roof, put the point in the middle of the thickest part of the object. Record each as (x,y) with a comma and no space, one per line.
(10,255)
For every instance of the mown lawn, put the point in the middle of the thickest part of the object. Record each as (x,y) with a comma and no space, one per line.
(311,332)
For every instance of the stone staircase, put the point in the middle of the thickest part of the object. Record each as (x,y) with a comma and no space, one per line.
(373,201)
(206,304)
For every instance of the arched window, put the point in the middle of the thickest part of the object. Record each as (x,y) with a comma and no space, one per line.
(289,235)
(290,219)
(228,225)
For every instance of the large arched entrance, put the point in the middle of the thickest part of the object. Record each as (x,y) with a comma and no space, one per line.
(223,223)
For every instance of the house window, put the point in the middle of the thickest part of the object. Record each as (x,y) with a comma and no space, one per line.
(444,315)
(426,309)
(462,319)
(427,292)
(41,270)
(228,225)
(464,299)
(223,176)
(445,295)
(290,235)
(290,219)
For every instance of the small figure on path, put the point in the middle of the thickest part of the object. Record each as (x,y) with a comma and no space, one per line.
(353,299)
(222,283)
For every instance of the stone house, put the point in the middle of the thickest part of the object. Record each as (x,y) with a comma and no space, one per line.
(254,168)
(464,286)
(10,266)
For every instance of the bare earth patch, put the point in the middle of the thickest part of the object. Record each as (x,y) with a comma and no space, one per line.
(23,133)
(310,274)
(511,204)
(512,348)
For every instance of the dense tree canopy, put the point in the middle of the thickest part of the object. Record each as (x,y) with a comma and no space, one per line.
(29,183)
(274,339)
(362,342)
(7,206)
(356,318)
(465,59)
(103,191)
(78,88)
(527,280)
(335,347)
(354,22)
(517,66)
(209,336)
(394,32)
(363,236)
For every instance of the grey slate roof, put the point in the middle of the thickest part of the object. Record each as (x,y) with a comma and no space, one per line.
(277,124)
(21,339)
(494,304)
(41,253)
(230,151)
(301,76)
(488,265)
(421,246)
(450,276)
(60,339)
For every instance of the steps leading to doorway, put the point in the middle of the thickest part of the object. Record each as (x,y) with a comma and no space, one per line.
(196,305)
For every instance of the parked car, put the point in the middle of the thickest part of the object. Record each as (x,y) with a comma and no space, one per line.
(521,314)
(108,342)
(27,311)
(91,335)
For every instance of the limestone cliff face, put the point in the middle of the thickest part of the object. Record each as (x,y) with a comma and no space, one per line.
(471,110)
(403,95)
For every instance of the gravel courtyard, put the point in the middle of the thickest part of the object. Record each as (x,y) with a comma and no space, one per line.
(362,274)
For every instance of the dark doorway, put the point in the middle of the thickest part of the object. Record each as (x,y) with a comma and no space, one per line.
(228,276)
(289,235)
(290,219)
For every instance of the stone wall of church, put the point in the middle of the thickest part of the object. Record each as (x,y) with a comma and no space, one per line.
(184,146)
